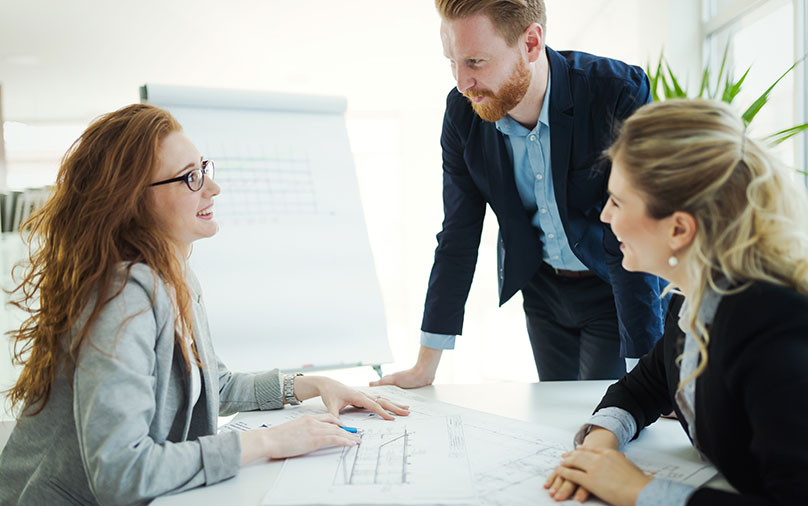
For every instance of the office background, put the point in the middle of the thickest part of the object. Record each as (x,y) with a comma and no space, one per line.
(64,63)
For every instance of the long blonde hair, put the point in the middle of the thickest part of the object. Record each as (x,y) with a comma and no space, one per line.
(97,218)
(752,216)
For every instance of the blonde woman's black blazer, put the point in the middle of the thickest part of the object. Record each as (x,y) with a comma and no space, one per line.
(751,401)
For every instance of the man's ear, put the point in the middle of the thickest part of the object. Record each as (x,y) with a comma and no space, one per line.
(683,230)
(533,37)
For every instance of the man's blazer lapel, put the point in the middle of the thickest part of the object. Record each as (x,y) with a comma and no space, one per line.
(490,154)
(561,127)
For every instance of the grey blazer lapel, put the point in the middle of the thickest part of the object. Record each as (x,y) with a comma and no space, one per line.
(209,395)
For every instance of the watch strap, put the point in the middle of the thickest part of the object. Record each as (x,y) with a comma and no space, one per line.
(289,389)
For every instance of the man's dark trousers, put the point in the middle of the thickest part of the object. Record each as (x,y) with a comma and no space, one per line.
(573,329)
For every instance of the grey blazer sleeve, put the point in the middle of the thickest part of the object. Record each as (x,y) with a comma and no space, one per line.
(248,392)
(115,405)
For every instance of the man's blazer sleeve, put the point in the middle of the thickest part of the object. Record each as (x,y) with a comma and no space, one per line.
(640,310)
(459,239)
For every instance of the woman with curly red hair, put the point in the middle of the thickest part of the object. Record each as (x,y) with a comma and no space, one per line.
(120,388)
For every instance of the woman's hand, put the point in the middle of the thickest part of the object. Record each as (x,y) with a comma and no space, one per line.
(561,489)
(606,473)
(336,396)
(304,435)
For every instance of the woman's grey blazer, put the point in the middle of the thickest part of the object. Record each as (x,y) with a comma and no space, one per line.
(119,429)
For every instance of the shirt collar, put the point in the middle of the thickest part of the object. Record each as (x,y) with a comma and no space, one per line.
(709,305)
(544,114)
(509,126)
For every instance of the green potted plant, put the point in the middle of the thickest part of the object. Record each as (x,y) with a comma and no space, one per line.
(726,89)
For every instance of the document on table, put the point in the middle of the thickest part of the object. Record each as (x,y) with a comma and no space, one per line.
(509,459)
(411,460)
(403,462)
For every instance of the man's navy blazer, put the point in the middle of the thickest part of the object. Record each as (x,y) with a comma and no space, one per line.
(589,96)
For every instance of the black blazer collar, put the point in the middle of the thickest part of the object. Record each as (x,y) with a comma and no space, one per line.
(561,95)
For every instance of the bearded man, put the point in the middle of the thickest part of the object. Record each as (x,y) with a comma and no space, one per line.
(524,132)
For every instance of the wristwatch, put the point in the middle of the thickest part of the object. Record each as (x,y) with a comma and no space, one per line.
(289,389)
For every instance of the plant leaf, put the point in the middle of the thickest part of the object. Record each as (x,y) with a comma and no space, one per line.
(776,138)
(653,81)
(732,89)
(666,87)
(705,81)
(677,90)
(713,94)
(758,104)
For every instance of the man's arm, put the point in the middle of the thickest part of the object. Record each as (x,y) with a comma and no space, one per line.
(455,259)
(640,310)
(421,374)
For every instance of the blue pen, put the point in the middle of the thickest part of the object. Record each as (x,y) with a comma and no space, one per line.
(352,430)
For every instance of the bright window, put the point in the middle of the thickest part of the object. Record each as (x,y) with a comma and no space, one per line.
(34,151)
(769,36)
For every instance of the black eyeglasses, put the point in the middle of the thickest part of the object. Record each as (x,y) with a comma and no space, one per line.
(194,178)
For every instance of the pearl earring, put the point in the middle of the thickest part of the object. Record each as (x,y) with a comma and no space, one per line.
(673,261)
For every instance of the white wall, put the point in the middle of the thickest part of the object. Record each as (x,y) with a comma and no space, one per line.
(67,62)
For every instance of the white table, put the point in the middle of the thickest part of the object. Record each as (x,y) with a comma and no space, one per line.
(564,405)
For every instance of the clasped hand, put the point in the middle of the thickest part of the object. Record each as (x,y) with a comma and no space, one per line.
(597,467)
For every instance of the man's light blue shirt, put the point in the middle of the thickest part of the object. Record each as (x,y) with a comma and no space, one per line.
(530,152)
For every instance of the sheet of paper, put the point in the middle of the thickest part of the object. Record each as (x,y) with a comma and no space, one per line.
(509,459)
(409,461)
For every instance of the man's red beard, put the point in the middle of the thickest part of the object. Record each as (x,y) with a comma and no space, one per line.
(497,105)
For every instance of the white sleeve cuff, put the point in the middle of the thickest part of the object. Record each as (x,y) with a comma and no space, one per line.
(661,492)
(437,341)
(617,420)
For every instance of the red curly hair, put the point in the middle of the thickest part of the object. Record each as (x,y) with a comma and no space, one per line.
(96,220)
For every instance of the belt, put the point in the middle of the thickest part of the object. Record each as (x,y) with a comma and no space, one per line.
(564,273)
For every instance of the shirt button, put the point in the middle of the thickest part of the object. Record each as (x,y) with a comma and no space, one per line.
(551,236)
(555,257)
(532,137)
(543,210)
(539,177)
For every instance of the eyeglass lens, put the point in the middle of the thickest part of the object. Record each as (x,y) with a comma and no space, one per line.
(196,178)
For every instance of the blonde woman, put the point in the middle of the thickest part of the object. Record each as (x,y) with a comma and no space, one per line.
(121,388)
(695,201)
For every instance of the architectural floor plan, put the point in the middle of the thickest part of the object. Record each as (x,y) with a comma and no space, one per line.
(439,454)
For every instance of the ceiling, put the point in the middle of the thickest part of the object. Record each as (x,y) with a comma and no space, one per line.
(69,61)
